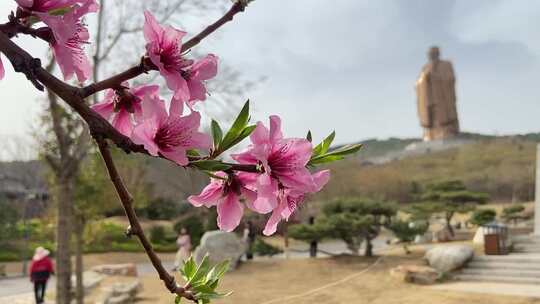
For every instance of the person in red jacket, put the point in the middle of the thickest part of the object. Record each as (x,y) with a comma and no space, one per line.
(40,271)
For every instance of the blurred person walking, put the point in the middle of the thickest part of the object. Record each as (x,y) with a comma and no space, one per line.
(184,248)
(41,269)
(249,239)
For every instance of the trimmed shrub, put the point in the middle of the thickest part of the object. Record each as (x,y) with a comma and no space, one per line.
(483,216)
(158,235)
(262,248)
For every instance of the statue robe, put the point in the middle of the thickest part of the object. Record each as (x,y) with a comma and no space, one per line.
(436,98)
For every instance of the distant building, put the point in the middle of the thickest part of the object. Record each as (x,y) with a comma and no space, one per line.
(31,201)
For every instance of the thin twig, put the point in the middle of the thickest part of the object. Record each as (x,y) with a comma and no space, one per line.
(135,227)
(13,27)
(238,7)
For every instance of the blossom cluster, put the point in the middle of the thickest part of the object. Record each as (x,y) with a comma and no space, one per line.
(279,189)
(69,33)
(281,179)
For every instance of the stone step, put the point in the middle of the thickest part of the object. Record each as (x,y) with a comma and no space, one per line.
(501,279)
(526,241)
(526,249)
(521,273)
(503,265)
(532,245)
(513,258)
(526,238)
(526,244)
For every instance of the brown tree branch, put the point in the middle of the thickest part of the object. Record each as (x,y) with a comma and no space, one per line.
(13,27)
(135,227)
(115,81)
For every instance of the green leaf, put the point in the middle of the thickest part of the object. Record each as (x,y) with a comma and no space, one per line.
(188,269)
(177,299)
(209,294)
(217,272)
(214,284)
(237,127)
(192,152)
(204,289)
(309,137)
(217,133)
(328,141)
(201,271)
(59,11)
(324,159)
(346,150)
(215,176)
(335,155)
(210,165)
(245,133)
(322,148)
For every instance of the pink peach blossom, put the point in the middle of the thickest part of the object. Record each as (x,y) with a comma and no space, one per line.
(290,200)
(45,6)
(284,162)
(170,136)
(285,174)
(197,74)
(164,47)
(70,37)
(225,193)
(123,109)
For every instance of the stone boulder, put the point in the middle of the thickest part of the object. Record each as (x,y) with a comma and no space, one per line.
(220,245)
(121,293)
(91,280)
(442,236)
(128,270)
(423,239)
(448,258)
(416,274)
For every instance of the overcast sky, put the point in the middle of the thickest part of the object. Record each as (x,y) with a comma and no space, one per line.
(350,65)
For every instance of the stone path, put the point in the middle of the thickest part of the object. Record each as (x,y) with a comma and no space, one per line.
(521,290)
(25,298)
(19,290)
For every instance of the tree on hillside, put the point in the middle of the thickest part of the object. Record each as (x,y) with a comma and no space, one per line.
(422,212)
(451,197)
(513,213)
(406,231)
(483,216)
(358,220)
(312,234)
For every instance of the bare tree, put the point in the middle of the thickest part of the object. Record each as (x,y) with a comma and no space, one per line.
(66,142)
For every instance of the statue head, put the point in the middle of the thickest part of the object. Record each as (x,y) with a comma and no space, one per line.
(434,53)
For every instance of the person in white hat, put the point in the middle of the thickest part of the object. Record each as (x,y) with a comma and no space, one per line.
(41,269)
